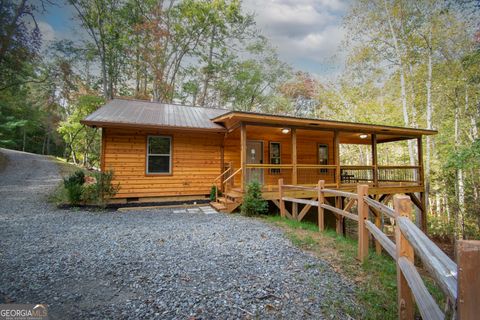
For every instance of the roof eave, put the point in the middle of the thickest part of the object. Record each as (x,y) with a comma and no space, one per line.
(102,124)
(413,131)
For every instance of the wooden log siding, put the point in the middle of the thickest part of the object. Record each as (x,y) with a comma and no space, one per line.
(195,163)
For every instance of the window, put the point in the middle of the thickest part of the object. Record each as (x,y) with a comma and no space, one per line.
(275,156)
(323,156)
(159,155)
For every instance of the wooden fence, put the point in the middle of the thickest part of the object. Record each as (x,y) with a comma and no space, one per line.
(459,282)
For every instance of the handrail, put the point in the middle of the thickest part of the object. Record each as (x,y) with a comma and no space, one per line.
(232,175)
(437,262)
(398,167)
(340,211)
(380,207)
(386,243)
(268,166)
(362,167)
(222,174)
(288,166)
(426,304)
(340,193)
(409,239)
(299,187)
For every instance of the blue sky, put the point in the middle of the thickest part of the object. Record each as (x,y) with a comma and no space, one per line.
(306,33)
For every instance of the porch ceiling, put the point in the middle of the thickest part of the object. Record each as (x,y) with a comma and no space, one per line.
(349,131)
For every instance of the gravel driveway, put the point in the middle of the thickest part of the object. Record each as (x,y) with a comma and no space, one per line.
(151,264)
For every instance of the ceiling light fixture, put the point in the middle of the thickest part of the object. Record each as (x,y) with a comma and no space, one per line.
(285,130)
(363,136)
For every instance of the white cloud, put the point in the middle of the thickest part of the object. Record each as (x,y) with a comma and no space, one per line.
(48,34)
(307,33)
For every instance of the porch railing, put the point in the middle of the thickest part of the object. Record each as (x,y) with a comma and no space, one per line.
(309,174)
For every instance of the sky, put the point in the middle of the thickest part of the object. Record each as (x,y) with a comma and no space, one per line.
(306,33)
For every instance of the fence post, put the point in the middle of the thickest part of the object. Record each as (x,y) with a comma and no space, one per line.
(280,195)
(362,207)
(406,308)
(468,262)
(339,218)
(321,200)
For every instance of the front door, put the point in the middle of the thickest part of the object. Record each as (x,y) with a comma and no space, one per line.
(254,155)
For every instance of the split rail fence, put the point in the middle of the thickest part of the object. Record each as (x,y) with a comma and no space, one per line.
(460,282)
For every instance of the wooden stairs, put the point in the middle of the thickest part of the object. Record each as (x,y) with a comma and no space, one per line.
(230,201)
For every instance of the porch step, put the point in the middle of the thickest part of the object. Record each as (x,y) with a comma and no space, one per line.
(218,206)
(234,194)
(224,200)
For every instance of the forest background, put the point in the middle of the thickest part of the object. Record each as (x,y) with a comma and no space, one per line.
(406,63)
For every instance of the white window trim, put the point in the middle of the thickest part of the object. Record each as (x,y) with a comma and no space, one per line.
(159,154)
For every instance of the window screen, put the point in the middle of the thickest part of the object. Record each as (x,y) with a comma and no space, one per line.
(159,154)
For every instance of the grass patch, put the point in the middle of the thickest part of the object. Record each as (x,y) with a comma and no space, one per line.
(375,280)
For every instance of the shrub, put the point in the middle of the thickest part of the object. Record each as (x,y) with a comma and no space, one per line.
(96,188)
(100,188)
(73,185)
(253,203)
(213,193)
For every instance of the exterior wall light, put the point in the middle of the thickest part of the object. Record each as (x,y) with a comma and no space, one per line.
(285,130)
(363,136)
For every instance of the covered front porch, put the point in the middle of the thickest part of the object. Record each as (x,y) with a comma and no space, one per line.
(303,153)
(267,153)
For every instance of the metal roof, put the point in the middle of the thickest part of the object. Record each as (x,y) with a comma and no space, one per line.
(154,114)
(141,113)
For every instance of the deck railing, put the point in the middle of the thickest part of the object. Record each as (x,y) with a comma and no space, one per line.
(460,283)
(310,174)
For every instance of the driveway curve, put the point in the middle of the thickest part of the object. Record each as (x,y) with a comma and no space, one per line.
(151,263)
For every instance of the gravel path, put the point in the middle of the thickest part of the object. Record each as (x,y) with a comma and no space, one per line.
(151,264)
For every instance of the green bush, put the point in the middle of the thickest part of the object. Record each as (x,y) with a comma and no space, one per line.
(73,184)
(253,203)
(101,190)
(96,188)
(213,193)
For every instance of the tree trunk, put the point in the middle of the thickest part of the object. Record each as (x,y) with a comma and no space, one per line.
(460,185)
(403,90)
(208,75)
(104,78)
(429,116)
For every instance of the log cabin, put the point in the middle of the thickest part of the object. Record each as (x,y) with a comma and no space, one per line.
(165,153)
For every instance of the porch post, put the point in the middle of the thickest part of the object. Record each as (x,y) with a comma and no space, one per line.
(243,153)
(374,159)
(294,168)
(421,177)
(336,156)
(420,160)
(294,156)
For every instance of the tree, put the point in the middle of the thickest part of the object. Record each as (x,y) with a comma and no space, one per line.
(83,143)
(104,23)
